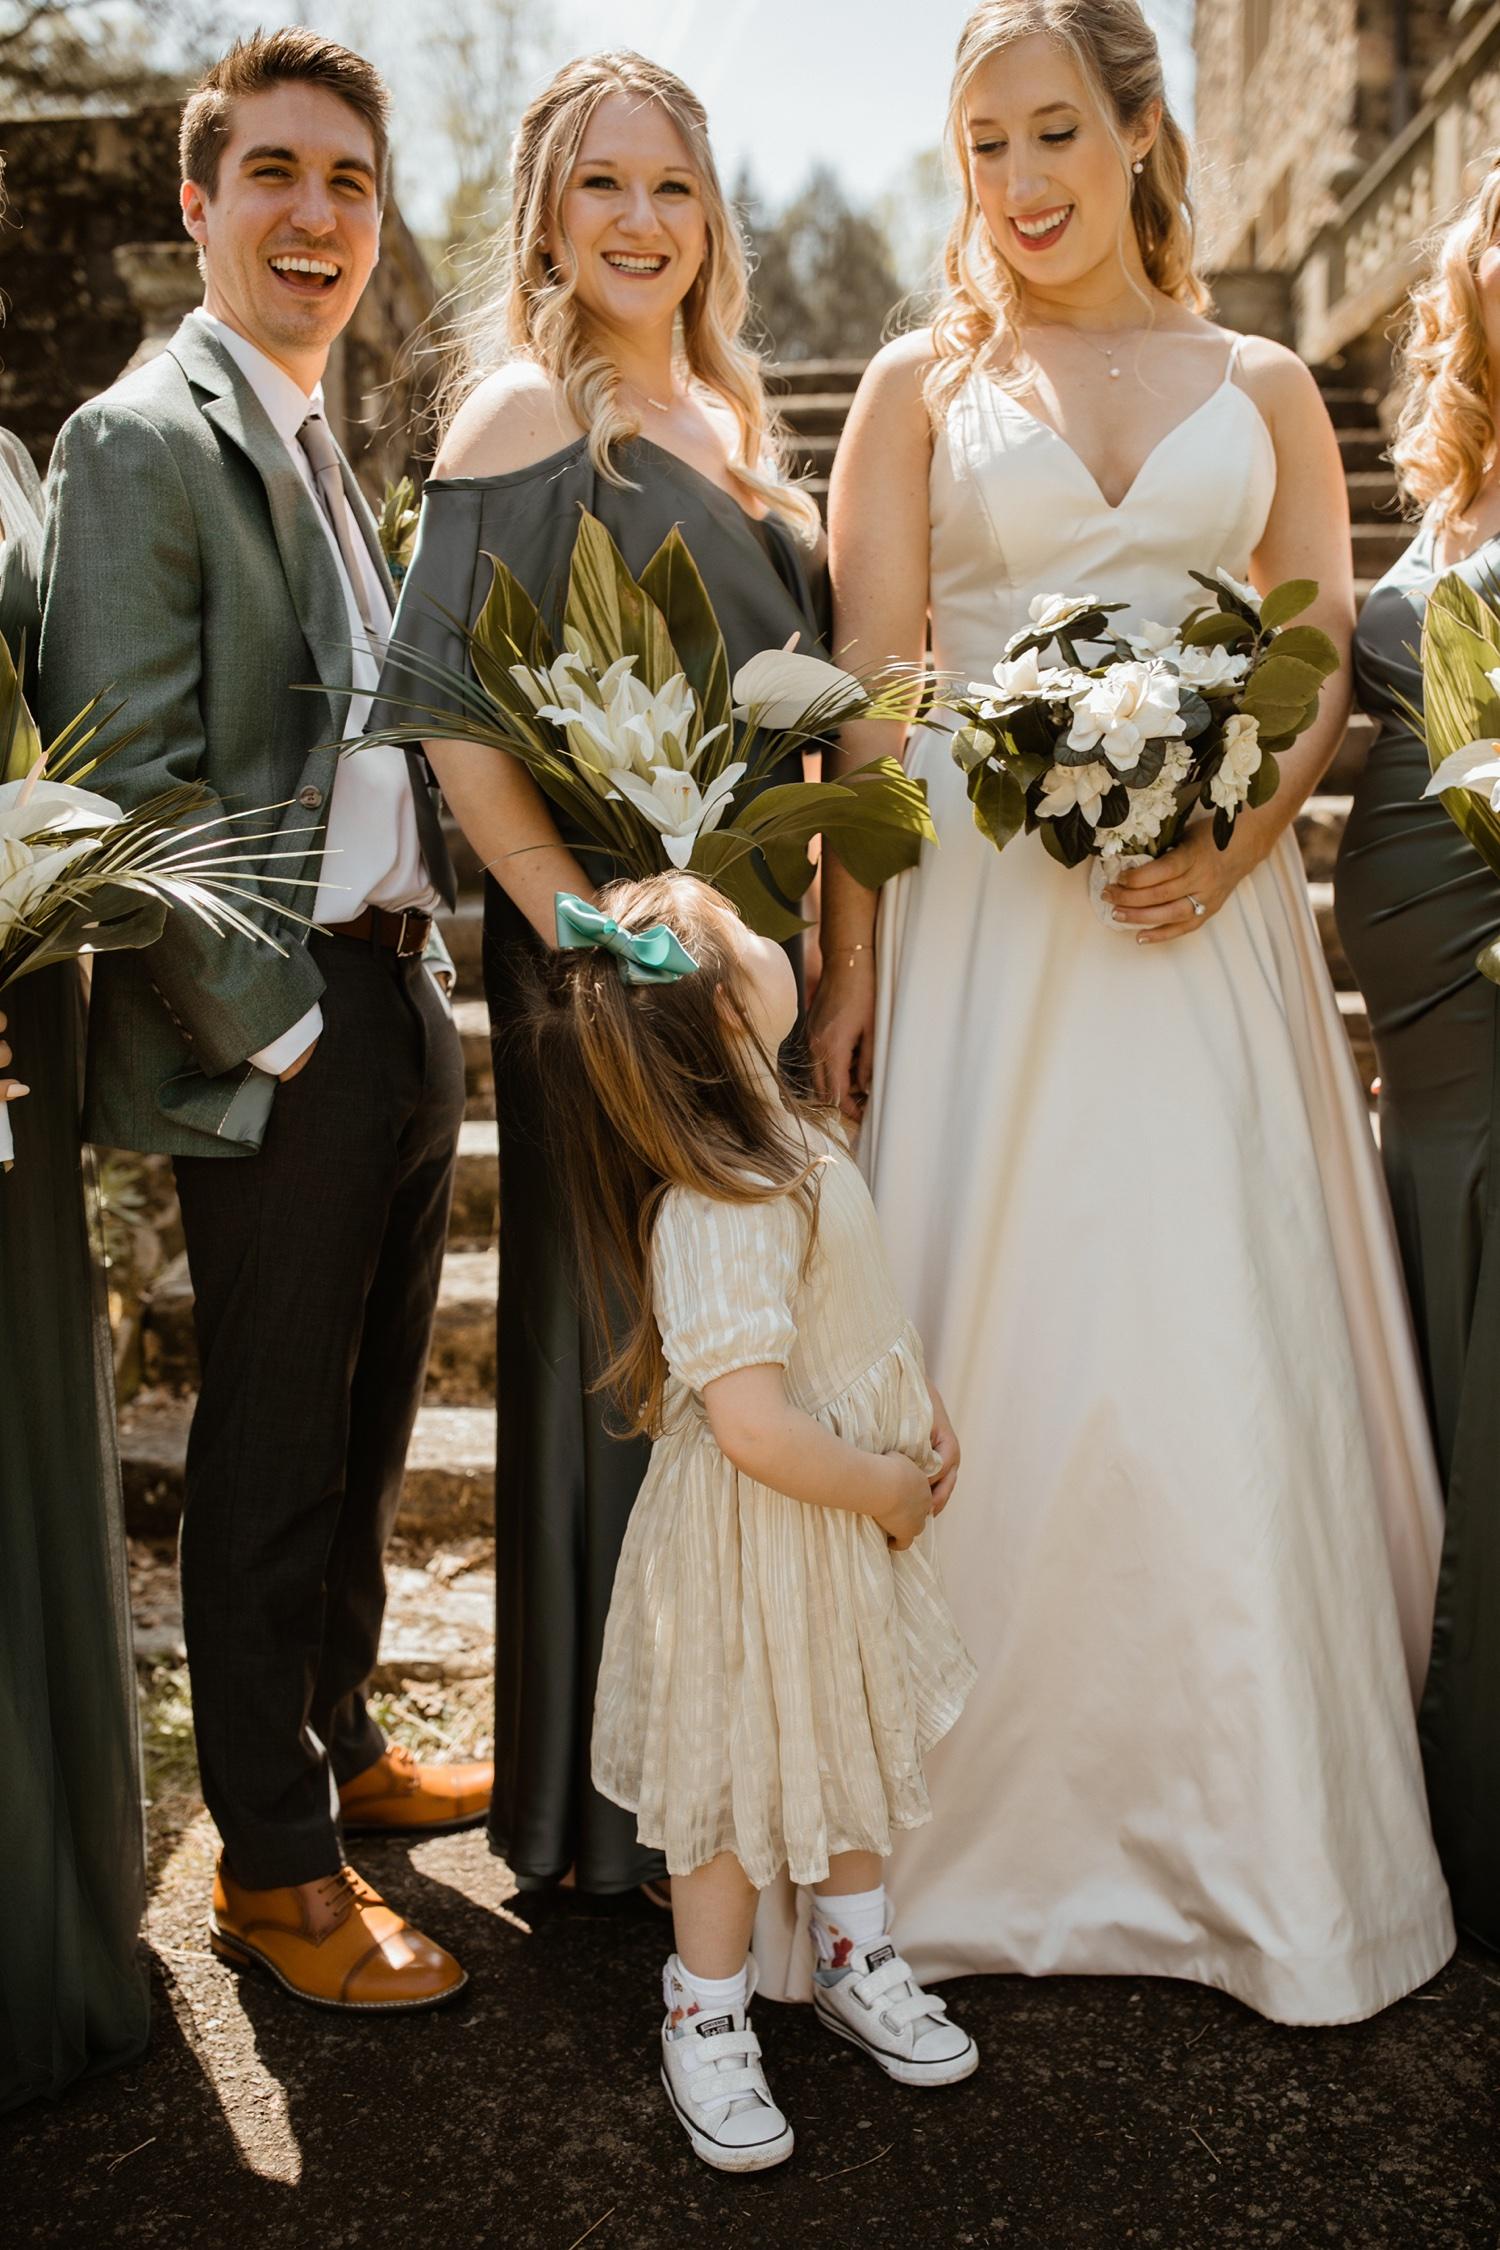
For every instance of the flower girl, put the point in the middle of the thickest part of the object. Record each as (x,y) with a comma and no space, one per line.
(779,1651)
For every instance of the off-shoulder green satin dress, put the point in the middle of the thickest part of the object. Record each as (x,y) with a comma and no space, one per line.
(565,1483)
(73,1992)
(1415,904)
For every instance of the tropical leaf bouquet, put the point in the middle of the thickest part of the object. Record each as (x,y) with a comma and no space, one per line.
(1460,717)
(634,730)
(1108,760)
(396,525)
(78,875)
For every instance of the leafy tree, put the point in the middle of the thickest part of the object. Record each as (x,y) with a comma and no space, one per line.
(824,285)
(83,54)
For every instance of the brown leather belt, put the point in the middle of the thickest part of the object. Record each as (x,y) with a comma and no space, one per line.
(405,933)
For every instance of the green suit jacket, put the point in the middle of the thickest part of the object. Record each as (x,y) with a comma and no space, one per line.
(186,572)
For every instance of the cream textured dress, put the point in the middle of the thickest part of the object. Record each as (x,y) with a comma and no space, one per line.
(772,1672)
(1133,1202)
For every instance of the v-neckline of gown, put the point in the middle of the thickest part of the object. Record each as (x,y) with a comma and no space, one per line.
(1117,507)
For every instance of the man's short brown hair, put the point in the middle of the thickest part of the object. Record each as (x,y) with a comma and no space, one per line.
(295,56)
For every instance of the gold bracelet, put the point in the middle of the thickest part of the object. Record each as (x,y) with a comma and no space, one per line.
(846,953)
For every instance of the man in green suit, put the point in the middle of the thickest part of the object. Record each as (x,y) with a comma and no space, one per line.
(209,557)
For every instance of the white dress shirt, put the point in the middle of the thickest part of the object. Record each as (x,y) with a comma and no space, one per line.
(372,855)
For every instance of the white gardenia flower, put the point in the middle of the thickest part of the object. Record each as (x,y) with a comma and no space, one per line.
(1130,705)
(1153,639)
(1241,762)
(1209,667)
(1476,767)
(781,686)
(1020,678)
(1049,613)
(1238,587)
(673,803)
(1084,787)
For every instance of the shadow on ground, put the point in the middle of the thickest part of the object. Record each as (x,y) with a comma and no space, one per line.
(528,2115)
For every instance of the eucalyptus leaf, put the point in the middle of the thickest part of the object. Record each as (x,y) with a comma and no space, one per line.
(1217,628)
(1311,645)
(999,804)
(1264,782)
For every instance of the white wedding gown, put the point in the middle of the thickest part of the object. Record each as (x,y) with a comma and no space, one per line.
(1131,1198)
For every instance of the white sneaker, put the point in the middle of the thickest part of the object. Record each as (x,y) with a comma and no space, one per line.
(868,1995)
(710,2067)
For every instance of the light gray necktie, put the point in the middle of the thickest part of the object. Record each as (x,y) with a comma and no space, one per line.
(316,441)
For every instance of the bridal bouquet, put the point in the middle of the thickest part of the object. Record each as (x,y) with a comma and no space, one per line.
(1460,717)
(78,875)
(1108,760)
(635,732)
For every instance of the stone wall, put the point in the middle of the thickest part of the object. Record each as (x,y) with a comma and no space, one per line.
(1295,99)
(96,271)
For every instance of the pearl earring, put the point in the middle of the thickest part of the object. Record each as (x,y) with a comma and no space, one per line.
(1139,165)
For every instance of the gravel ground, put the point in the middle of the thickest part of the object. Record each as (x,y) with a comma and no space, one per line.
(528,2115)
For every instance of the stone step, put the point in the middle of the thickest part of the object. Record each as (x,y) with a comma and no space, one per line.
(1321,895)
(1373,494)
(473,1020)
(1361,449)
(812,456)
(1377,546)
(1320,827)
(816,413)
(797,378)
(1348,761)
(1350,406)
(463,934)
(460,1370)
(450,1469)
(476,1185)
(1357,1024)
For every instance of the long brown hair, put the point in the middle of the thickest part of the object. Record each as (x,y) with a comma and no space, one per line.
(647,1087)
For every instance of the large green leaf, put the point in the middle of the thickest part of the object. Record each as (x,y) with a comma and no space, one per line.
(1460,644)
(1215,628)
(1287,601)
(999,803)
(609,612)
(508,630)
(727,859)
(1311,645)
(20,744)
(672,581)
(115,918)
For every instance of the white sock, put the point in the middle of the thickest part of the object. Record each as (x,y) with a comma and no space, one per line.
(859,1914)
(706,1996)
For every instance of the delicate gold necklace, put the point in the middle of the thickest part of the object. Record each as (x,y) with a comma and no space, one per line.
(1107,352)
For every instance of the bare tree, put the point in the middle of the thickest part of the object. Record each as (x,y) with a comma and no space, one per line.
(482,60)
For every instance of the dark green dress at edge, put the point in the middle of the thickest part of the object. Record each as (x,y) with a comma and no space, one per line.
(1415,904)
(565,1484)
(72,1871)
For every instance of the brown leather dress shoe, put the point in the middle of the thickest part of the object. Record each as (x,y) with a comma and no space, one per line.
(334,1943)
(398,1797)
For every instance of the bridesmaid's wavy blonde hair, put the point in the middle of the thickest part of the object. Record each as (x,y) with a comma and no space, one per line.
(1117,53)
(1445,431)
(530,309)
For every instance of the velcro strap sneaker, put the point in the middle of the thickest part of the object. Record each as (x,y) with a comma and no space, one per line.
(869,1996)
(711,2070)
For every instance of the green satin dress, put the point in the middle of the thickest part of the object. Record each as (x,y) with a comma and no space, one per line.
(72,1869)
(565,1479)
(1415,904)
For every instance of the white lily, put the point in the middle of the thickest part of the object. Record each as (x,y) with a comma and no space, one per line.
(615,723)
(780,686)
(675,805)
(35,807)
(1476,767)
(1494,679)
(1132,704)
(1082,788)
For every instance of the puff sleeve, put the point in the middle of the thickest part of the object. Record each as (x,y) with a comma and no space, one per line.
(726,1277)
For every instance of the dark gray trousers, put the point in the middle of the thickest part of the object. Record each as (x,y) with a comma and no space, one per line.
(315,1270)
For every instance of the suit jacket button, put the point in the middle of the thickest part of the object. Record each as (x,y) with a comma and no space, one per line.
(310,797)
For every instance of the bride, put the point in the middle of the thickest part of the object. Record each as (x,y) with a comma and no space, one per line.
(1126,1176)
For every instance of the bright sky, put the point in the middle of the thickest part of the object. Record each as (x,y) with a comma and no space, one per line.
(858,84)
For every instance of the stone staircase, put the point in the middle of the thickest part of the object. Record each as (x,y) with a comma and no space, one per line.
(450,1476)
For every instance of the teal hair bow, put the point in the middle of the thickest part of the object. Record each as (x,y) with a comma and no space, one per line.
(644,956)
